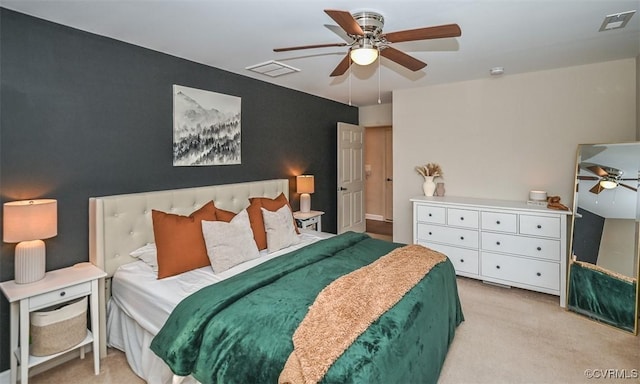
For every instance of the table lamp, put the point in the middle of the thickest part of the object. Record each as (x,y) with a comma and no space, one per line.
(27,222)
(305,186)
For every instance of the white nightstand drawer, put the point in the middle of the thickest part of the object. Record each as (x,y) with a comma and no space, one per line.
(59,295)
(451,236)
(540,226)
(429,214)
(502,222)
(520,245)
(518,270)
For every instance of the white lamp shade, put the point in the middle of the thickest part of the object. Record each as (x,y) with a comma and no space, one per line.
(364,56)
(305,184)
(608,183)
(28,220)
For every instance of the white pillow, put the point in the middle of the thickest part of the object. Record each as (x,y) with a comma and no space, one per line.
(279,227)
(229,244)
(147,253)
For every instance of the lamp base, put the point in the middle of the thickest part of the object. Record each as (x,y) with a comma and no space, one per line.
(305,202)
(30,261)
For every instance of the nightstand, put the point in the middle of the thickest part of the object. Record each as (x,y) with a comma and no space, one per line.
(311,219)
(57,287)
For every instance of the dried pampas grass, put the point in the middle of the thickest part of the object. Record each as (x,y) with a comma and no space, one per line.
(430,169)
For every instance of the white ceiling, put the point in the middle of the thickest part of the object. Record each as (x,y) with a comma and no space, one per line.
(521,36)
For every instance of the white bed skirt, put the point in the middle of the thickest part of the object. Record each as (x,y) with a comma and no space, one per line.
(135,345)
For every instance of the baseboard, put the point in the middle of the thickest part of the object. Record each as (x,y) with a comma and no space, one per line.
(371,216)
(5,377)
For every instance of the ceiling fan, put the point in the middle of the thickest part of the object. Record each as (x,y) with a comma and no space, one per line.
(367,40)
(607,177)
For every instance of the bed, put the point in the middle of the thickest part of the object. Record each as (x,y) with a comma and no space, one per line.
(408,342)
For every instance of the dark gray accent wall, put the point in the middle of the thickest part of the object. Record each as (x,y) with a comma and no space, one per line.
(587,235)
(82,115)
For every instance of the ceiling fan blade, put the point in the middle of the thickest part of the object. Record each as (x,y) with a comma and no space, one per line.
(629,187)
(596,189)
(437,32)
(342,67)
(598,170)
(588,178)
(402,58)
(309,47)
(345,21)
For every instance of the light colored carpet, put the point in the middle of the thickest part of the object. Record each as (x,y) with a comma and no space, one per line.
(518,336)
(509,336)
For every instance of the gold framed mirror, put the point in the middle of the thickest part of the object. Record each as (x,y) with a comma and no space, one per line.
(604,266)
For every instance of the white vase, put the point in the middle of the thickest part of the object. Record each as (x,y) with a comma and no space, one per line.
(428,186)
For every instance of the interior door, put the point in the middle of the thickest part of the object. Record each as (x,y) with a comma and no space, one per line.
(388,174)
(350,178)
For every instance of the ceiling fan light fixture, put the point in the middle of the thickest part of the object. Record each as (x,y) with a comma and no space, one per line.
(365,53)
(608,183)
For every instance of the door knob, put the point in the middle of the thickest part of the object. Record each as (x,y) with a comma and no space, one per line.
(389,179)
(342,189)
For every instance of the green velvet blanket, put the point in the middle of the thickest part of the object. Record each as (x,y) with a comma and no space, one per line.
(239,330)
(602,297)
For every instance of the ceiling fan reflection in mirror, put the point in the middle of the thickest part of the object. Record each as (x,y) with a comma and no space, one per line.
(366,40)
(607,177)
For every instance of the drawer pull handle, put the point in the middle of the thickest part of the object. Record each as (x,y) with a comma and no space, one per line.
(63,293)
(462,260)
(430,215)
(497,243)
(462,219)
(539,248)
(539,274)
(497,267)
(498,222)
(539,226)
(461,237)
(430,233)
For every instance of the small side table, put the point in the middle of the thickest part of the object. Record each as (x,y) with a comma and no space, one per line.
(57,287)
(311,219)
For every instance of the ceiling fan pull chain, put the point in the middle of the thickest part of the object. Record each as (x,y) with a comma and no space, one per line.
(350,80)
(378,75)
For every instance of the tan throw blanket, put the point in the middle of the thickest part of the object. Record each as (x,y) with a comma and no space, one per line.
(345,308)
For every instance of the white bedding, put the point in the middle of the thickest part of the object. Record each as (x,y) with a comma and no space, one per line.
(140,305)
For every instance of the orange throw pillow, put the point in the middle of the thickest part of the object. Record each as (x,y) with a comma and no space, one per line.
(255,216)
(179,240)
(226,216)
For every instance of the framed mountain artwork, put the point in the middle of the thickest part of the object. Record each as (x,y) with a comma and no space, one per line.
(206,128)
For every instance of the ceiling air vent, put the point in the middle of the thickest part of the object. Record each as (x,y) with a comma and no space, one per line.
(273,68)
(616,21)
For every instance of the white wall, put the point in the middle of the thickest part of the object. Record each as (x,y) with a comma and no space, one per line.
(501,137)
(616,251)
(375,115)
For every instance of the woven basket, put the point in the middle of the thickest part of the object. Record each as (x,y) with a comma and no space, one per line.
(58,328)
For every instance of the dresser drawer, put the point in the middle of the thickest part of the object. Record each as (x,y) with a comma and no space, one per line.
(464,260)
(540,226)
(518,270)
(429,214)
(502,222)
(521,245)
(462,218)
(450,236)
(59,295)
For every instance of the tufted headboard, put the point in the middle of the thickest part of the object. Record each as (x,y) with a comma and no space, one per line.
(120,224)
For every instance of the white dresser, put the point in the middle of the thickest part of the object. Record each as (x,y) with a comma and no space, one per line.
(505,242)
